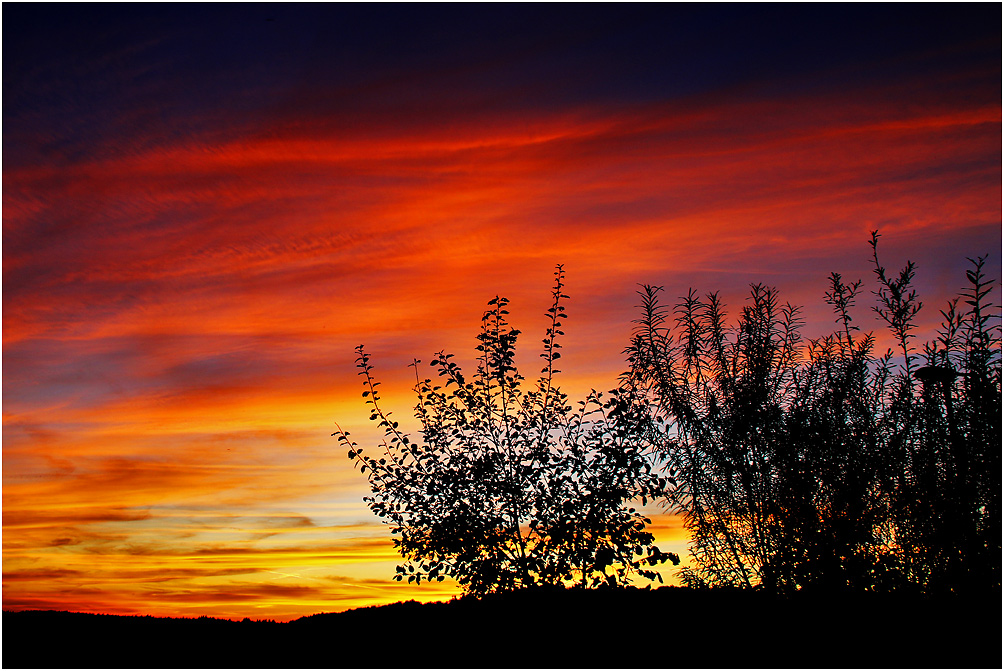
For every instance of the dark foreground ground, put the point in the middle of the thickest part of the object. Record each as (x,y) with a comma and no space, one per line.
(663,628)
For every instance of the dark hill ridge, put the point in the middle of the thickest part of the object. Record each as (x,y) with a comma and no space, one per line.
(667,627)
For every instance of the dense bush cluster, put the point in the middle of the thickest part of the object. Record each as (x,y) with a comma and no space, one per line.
(823,463)
(796,463)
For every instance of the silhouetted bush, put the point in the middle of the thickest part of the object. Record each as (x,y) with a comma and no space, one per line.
(510,487)
(822,464)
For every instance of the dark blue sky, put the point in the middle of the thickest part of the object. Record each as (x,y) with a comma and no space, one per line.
(76,73)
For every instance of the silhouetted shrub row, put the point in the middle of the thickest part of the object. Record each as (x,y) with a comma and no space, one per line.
(795,463)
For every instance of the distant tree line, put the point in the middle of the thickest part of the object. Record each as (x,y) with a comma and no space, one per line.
(796,464)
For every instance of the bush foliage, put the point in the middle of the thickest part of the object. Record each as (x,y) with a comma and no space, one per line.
(796,464)
(510,487)
(823,463)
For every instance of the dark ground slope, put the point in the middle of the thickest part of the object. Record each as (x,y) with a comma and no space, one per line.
(668,627)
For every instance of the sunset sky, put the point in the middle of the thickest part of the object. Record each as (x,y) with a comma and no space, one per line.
(206,208)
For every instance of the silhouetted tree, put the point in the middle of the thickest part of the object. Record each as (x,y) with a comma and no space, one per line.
(822,463)
(510,487)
